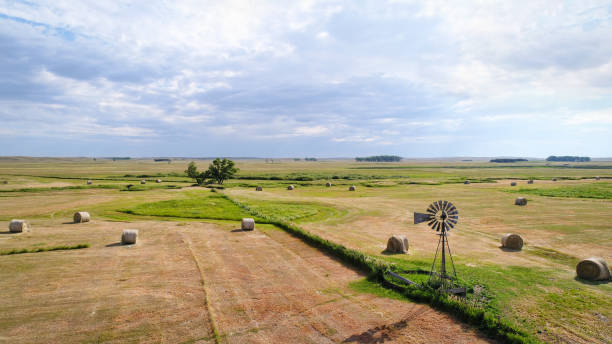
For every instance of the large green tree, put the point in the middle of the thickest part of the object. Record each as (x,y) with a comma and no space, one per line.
(219,170)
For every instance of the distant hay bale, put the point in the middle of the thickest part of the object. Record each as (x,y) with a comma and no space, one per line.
(466,182)
(352,188)
(593,269)
(18,226)
(290,187)
(554,179)
(530,181)
(520,201)
(248,224)
(143,181)
(129,236)
(512,241)
(397,244)
(596,178)
(513,184)
(158,180)
(328,184)
(81,216)
(89,182)
(259,188)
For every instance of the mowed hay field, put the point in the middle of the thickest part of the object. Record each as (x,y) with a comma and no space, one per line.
(192,277)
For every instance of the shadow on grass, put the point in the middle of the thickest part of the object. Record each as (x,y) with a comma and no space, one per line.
(9,232)
(583,281)
(507,249)
(389,253)
(114,244)
(236,230)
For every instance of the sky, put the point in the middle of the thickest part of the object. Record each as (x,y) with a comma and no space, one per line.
(306,78)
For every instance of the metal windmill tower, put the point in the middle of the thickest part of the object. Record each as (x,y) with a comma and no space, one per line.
(441,216)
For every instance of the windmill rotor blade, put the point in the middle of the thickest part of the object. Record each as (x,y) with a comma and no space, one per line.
(431,223)
(420,217)
(440,204)
(454,222)
(453,212)
(445,205)
(431,209)
(435,207)
(451,225)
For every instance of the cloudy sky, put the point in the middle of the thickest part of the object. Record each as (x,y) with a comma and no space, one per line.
(306,78)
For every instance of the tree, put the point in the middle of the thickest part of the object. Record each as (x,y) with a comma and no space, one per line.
(192,172)
(220,170)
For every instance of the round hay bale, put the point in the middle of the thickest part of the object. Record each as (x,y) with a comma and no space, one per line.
(466,182)
(328,184)
(593,269)
(397,244)
(513,184)
(596,178)
(290,187)
(143,181)
(512,241)
(248,224)
(89,182)
(259,188)
(554,179)
(158,180)
(18,226)
(352,188)
(129,236)
(530,181)
(81,216)
(520,201)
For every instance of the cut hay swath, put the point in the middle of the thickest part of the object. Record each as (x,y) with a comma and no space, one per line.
(512,241)
(248,224)
(593,269)
(81,216)
(129,236)
(18,226)
(397,244)
(520,201)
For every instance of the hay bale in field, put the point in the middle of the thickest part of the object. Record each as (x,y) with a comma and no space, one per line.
(554,179)
(596,178)
(18,226)
(397,244)
(89,182)
(158,180)
(352,188)
(530,181)
(512,241)
(81,216)
(513,184)
(520,201)
(259,188)
(466,182)
(129,236)
(593,269)
(248,224)
(143,181)
(290,187)
(328,184)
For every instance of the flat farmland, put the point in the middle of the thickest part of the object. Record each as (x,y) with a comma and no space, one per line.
(192,277)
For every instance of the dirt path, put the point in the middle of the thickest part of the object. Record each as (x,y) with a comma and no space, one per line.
(272,288)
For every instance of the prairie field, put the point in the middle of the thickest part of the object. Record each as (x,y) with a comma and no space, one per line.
(194,277)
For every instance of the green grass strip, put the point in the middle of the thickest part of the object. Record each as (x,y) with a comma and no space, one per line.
(485,321)
(43,249)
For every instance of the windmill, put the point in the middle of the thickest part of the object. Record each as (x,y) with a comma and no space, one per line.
(441,216)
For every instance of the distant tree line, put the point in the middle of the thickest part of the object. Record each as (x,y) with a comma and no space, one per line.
(507,160)
(380,158)
(568,158)
(310,159)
